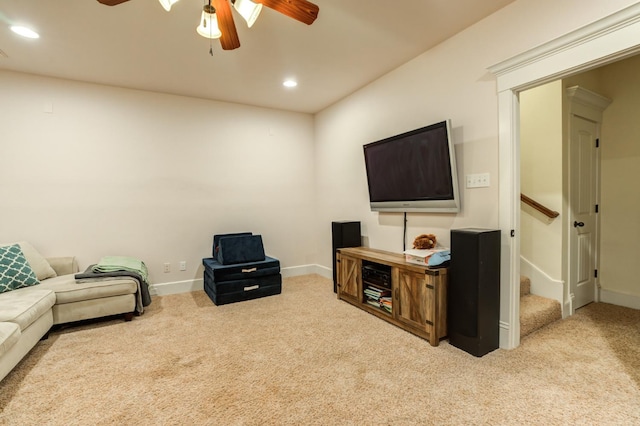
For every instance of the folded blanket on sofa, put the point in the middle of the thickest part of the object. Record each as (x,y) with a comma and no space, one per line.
(130,270)
(122,263)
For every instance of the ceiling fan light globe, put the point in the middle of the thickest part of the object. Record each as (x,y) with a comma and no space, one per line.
(248,10)
(24,31)
(167,4)
(208,27)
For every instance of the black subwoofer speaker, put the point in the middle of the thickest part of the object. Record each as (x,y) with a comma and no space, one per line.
(473,321)
(343,234)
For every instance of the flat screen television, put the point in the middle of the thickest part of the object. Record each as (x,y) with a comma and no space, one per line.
(414,171)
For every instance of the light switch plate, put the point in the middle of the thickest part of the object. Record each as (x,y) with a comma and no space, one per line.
(480,180)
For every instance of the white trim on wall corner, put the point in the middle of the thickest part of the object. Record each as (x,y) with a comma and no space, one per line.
(620,299)
(163,289)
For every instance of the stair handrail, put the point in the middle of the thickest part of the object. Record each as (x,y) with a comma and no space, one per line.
(552,214)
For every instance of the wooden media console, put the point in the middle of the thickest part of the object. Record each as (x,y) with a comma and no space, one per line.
(410,296)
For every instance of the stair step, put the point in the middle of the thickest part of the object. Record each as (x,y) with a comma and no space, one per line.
(525,285)
(537,312)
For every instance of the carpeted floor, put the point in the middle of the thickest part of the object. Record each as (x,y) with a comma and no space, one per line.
(304,357)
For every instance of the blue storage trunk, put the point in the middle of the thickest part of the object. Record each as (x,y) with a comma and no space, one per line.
(241,281)
(243,247)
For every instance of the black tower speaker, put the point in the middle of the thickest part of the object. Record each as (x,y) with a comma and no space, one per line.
(473,322)
(343,234)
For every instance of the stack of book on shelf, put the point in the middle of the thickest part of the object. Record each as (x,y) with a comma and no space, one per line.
(378,297)
(385,303)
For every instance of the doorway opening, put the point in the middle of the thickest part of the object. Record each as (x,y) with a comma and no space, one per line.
(603,42)
(560,168)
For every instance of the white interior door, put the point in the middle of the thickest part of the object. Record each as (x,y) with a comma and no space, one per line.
(583,200)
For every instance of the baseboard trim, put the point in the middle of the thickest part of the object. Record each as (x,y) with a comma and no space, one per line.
(541,283)
(505,337)
(294,271)
(175,287)
(619,298)
(163,289)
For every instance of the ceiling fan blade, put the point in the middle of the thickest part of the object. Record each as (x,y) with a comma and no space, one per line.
(229,39)
(111,2)
(300,10)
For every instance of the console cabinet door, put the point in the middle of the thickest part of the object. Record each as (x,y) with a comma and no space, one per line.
(348,277)
(411,299)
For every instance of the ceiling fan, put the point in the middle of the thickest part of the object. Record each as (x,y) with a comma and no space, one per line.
(217,20)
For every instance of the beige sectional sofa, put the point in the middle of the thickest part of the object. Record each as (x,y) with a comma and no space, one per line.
(27,314)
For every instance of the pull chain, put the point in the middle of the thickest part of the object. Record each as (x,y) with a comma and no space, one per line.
(204,23)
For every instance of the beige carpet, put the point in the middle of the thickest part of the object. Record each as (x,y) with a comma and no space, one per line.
(535,311)
(304,357)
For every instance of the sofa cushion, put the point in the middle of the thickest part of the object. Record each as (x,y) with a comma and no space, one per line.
(9,336)
(68,290)
(38,263)
(15,271)
(25,305)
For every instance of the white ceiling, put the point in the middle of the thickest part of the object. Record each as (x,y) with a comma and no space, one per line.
(139,45)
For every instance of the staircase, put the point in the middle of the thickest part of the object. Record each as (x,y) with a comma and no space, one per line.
(535,311)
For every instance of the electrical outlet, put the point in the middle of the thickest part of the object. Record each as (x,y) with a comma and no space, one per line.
(183,265)
(167,267)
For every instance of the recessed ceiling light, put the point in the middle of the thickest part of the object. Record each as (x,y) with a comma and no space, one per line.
(24,31)
(289,83)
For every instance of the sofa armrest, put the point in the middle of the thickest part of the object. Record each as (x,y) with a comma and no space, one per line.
(64,265)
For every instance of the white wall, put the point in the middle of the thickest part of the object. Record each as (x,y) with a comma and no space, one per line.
(541,176)
(125,172)
(448,81)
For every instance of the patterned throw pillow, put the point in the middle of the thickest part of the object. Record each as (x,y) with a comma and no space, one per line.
(38,263)
(15,271)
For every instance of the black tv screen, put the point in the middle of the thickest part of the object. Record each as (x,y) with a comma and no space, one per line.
(413,171)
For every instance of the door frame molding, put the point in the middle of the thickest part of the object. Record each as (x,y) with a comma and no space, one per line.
(607,40)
